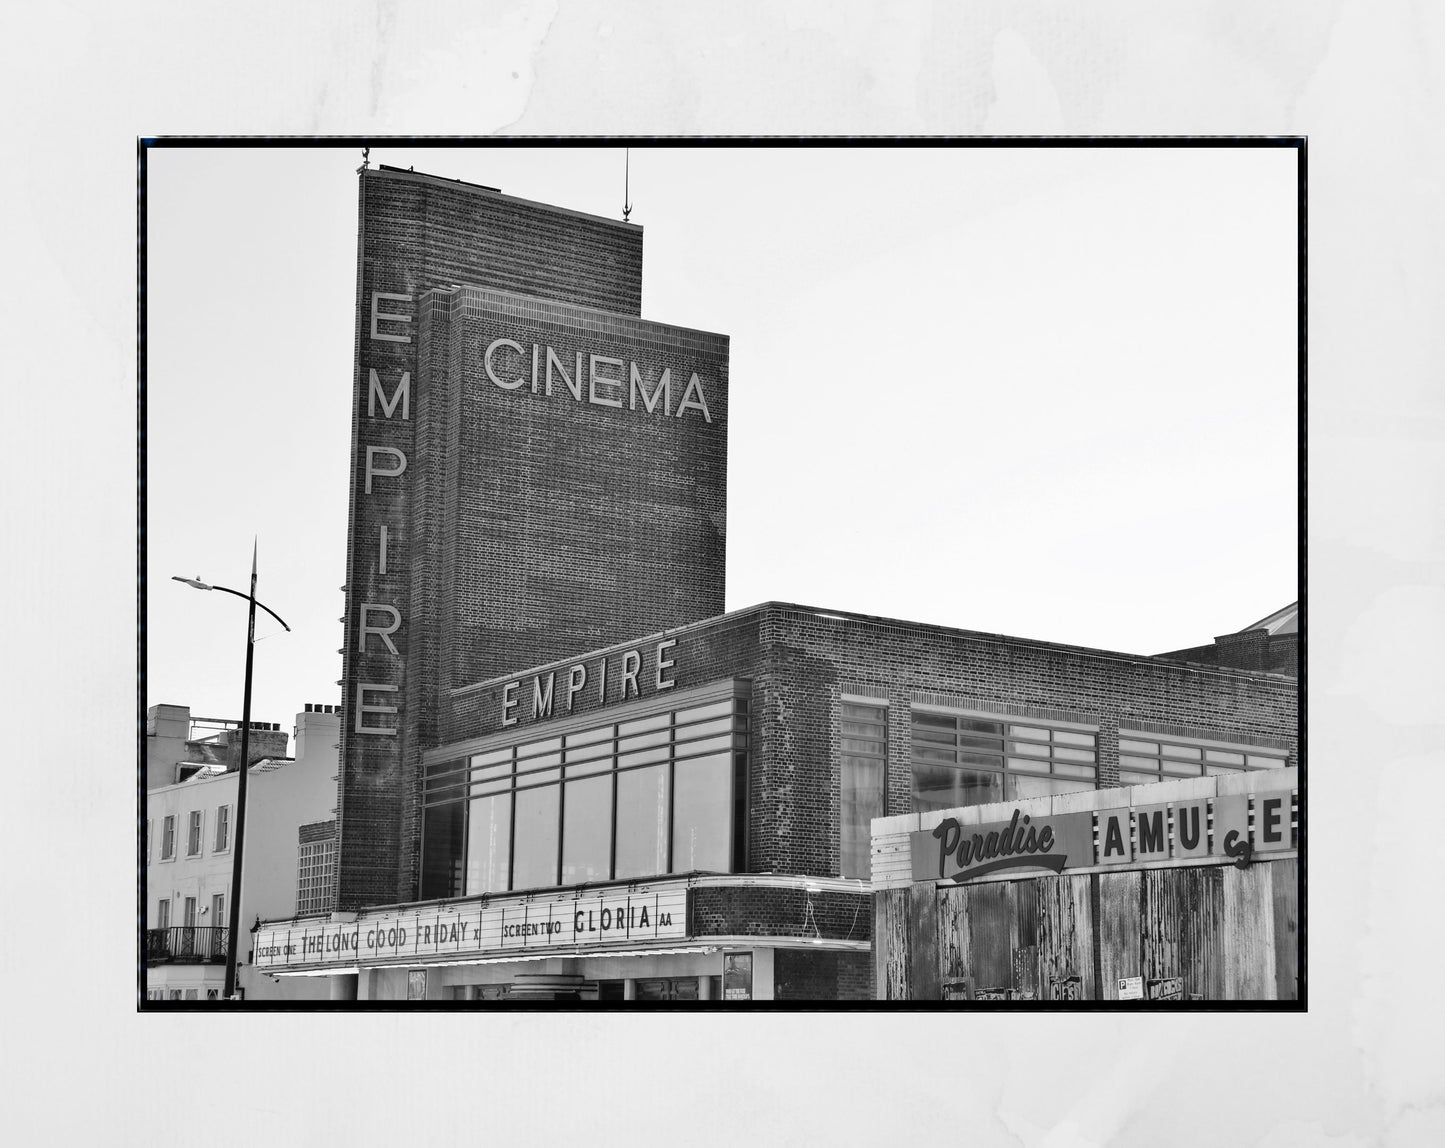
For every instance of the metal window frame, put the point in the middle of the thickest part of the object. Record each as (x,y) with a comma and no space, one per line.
(447,778)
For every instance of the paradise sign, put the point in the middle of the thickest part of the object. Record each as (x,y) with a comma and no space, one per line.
(951,851)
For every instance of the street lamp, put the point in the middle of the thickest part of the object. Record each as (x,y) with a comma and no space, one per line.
(234,926)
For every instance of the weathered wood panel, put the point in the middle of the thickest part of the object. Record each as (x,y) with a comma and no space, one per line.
(990,935)
(1285,878)
(892,943)
(953,972)
(1065,929)
(1181,930)
(1117,929)
(923,954)
(1249,961)
(1026,940)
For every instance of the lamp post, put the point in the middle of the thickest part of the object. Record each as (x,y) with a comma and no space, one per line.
(234,926)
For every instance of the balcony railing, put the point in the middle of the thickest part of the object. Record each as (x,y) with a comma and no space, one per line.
(187,943)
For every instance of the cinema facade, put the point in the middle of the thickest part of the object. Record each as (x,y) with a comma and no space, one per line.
(703,831)
(566,774)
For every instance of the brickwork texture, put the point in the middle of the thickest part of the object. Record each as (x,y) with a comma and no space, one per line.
(525,524)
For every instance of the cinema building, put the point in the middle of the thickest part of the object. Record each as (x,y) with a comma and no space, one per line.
(566,773)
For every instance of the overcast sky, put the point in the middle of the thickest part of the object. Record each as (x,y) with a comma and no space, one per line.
(1042,392)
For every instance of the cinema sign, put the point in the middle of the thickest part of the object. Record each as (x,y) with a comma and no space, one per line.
(1220,828)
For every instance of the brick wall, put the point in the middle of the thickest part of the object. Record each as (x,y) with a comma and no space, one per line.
(763,912)
(524,525)
(799,975)
(800,664)
(316,831)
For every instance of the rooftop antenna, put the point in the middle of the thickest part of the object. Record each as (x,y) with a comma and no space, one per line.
(365,159)
(626,184)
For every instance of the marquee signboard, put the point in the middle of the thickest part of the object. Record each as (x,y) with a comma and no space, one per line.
(491,928)
(1220,827)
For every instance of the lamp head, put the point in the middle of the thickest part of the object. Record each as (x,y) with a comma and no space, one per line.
(196,582)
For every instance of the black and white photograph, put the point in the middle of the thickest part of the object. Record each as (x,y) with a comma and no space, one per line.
(765,573)
(809,574)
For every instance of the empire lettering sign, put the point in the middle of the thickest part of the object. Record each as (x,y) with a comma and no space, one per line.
(550,694)
(492,928)
(1220,827)
(591,378)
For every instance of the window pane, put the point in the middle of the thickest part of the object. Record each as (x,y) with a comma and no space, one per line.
(860,745)
(862,713)
(707,745)
(1063,769)
(643,756)
(700,712)
(656,721)
(441,859)
(1181,768)
(705,728)
(933,721)
(861,728)
(642,822)
(1256,762)
(1021,788)
(1126,746)
(989,761)
(1028,731)
(932,753)
(702,814)
(534,861)
(1224,757)
(495,769)
(935,788)
(1140,763)
(495,757)
(1185,751)
(590,759)
(638,741)
(980,726)
(979,741)
(1061,754)
(939,736)
(489,839)
(1128,778)
(1028,748)
(1028,765)
(587,830)
(590,736)
(1068,737)
(860,799)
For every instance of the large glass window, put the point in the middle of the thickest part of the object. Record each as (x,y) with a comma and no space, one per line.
(701,804)
(662,793)
(587,830)
(1143,761)
(863,740)
(168,837)
(441,855)
(967,760)
(534,847)
(642,804)
(489,843)
(193,838)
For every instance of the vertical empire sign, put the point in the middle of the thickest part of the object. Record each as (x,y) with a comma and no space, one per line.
(383,462)
(378,585)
